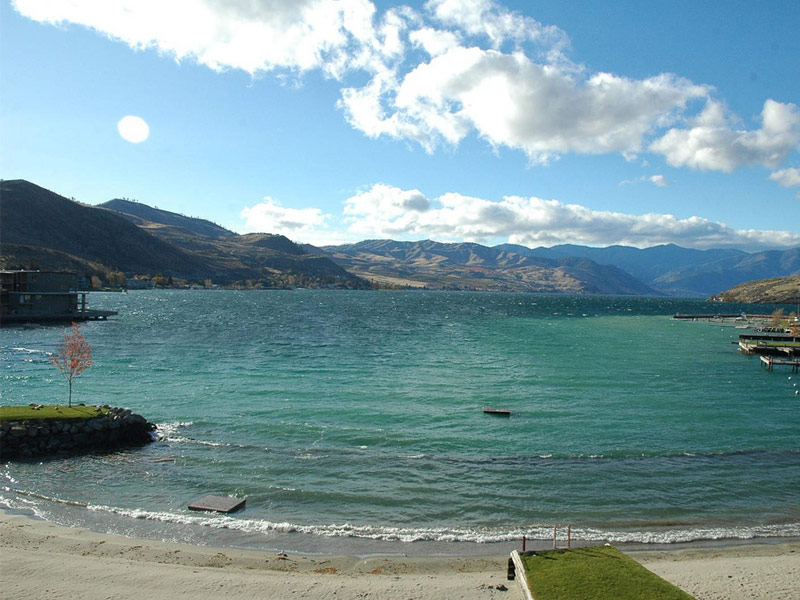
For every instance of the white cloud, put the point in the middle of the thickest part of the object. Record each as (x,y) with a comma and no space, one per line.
(712,143)
(379,212)
(659,180)
(512,101)
(487,18)
(449,70)
(306,224)
(787,177)
(221,34)
(385,209)
(434,41)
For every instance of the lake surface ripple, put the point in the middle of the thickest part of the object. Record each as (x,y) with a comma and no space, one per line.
(349,416)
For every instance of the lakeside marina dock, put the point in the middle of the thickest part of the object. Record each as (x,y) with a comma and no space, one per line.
(770,362)
(44,297)
(771,324)
(761,322)
(770,344)
(771,340)
(720,316)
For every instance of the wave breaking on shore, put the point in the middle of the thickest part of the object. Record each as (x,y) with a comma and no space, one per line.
(643,533)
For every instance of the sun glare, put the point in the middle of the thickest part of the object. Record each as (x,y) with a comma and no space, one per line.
(133,129)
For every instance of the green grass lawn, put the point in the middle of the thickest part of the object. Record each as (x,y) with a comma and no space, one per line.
(55,411)
(600,573)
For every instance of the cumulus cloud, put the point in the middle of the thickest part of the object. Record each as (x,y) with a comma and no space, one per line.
(222,34)
(712,142)
(512,101)
(542,104)
(530,221)
(308,224)
(387,209)
(451,69)
(433,41)
(786,177)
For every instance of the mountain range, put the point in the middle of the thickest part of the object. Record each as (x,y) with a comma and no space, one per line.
(43,229)
(678,271)
(660,270)
(473,266)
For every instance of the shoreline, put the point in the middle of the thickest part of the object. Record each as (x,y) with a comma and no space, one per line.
(86,564)
(224,531)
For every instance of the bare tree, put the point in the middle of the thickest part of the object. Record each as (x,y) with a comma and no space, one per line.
(73,357)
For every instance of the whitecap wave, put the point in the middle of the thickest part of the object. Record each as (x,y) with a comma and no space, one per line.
(187,440)
(167,429)
(642,535)
(464,534)
(168,432)
(31,351)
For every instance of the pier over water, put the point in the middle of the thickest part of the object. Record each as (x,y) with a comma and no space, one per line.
(44,296)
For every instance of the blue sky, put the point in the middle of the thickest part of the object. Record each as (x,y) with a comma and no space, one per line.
(457,120)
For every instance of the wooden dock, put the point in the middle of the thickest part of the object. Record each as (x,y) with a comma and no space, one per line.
(76,317)
(720,316)
(775,344)
(223,504)
(500,412)
(770,362)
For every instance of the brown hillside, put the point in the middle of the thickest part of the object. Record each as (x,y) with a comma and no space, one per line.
(781,290)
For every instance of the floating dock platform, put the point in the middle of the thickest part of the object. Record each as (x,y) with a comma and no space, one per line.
(223,504)
(500,412)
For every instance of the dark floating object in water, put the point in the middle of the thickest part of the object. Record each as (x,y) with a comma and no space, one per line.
(223,504)
(501,412)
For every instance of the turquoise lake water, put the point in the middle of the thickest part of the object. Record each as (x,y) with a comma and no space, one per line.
(352,419)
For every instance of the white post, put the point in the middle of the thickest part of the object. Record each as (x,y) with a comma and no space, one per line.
(555,532)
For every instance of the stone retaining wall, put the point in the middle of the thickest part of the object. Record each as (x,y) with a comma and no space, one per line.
(46,437)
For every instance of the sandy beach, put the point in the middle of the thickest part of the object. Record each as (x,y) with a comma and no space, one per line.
(730,572)
(42,560)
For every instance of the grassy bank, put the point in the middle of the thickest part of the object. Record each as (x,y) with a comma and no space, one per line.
(601,573)
(53,411)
